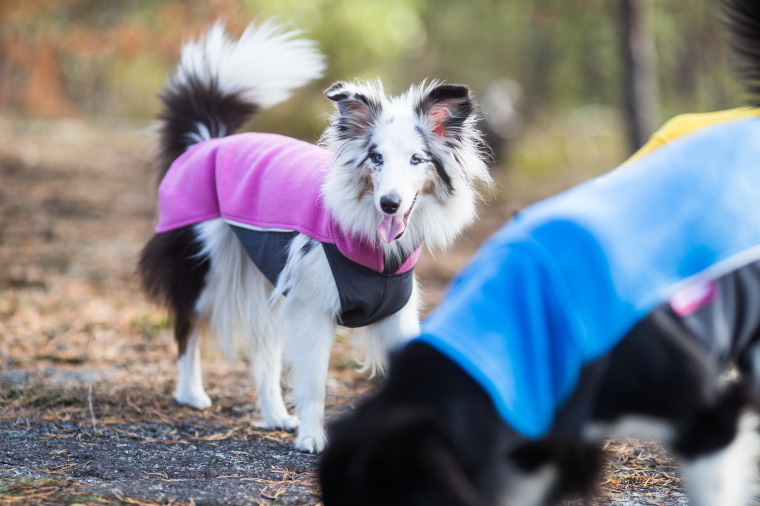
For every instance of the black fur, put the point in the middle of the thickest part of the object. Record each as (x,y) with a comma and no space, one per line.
(416,442)
(648,390)
(432,436)
(337,92)
(308,246)
(458,101)
(192,103)
(173,274)
(460,106)
(445,178)
(715,426)
(437,163)
(392,263)
(578,464)
(357,111)
(171,268)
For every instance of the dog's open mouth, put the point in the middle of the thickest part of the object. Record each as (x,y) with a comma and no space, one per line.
(393,227)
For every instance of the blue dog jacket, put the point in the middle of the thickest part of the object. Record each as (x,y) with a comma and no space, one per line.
(564,281)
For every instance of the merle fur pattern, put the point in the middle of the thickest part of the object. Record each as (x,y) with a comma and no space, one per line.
(415,162)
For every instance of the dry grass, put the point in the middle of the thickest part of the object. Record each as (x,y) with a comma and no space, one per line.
(26,491)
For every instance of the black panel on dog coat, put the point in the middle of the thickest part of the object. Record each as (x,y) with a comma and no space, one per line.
(366,296)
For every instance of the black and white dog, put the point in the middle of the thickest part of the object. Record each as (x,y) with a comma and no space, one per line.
(271,243)
(612,308)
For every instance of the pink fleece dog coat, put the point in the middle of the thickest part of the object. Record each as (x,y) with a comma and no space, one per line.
(267,187)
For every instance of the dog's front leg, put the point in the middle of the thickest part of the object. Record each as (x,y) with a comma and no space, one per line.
(309,338)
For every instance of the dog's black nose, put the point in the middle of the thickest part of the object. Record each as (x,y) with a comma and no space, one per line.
(389,205)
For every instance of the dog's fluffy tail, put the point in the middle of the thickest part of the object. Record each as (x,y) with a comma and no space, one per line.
(743,20)
(220,83)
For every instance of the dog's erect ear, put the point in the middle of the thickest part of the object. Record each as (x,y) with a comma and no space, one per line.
(356,108)
(446,107)
(338,92)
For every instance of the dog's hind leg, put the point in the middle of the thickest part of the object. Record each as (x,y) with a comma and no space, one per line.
(720,454)
(266,369)
(173,270)
(189,389)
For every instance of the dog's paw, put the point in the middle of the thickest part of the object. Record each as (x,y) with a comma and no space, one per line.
(288,423)
(311,443)
(194,399)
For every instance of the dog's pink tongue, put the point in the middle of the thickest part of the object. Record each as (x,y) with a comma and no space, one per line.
(391,227)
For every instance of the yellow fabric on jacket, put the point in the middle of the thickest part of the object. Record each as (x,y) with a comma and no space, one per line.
(685,123)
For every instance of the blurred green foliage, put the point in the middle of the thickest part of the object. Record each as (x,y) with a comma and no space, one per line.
(109,58)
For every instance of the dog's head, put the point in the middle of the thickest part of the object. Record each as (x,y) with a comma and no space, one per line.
(406,167)
(430,435)
(398,458)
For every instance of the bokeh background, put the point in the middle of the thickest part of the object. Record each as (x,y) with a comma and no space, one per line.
(550,73)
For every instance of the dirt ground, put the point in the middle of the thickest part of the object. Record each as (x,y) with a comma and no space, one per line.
(87,364)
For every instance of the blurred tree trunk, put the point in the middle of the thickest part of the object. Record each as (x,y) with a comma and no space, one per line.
(639,72)
(541,58)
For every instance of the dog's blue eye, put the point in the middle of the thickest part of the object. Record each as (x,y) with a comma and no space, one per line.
(416,160)
(376,158)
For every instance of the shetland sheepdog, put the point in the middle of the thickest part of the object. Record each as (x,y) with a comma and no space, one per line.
(270,243)
(611,309)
